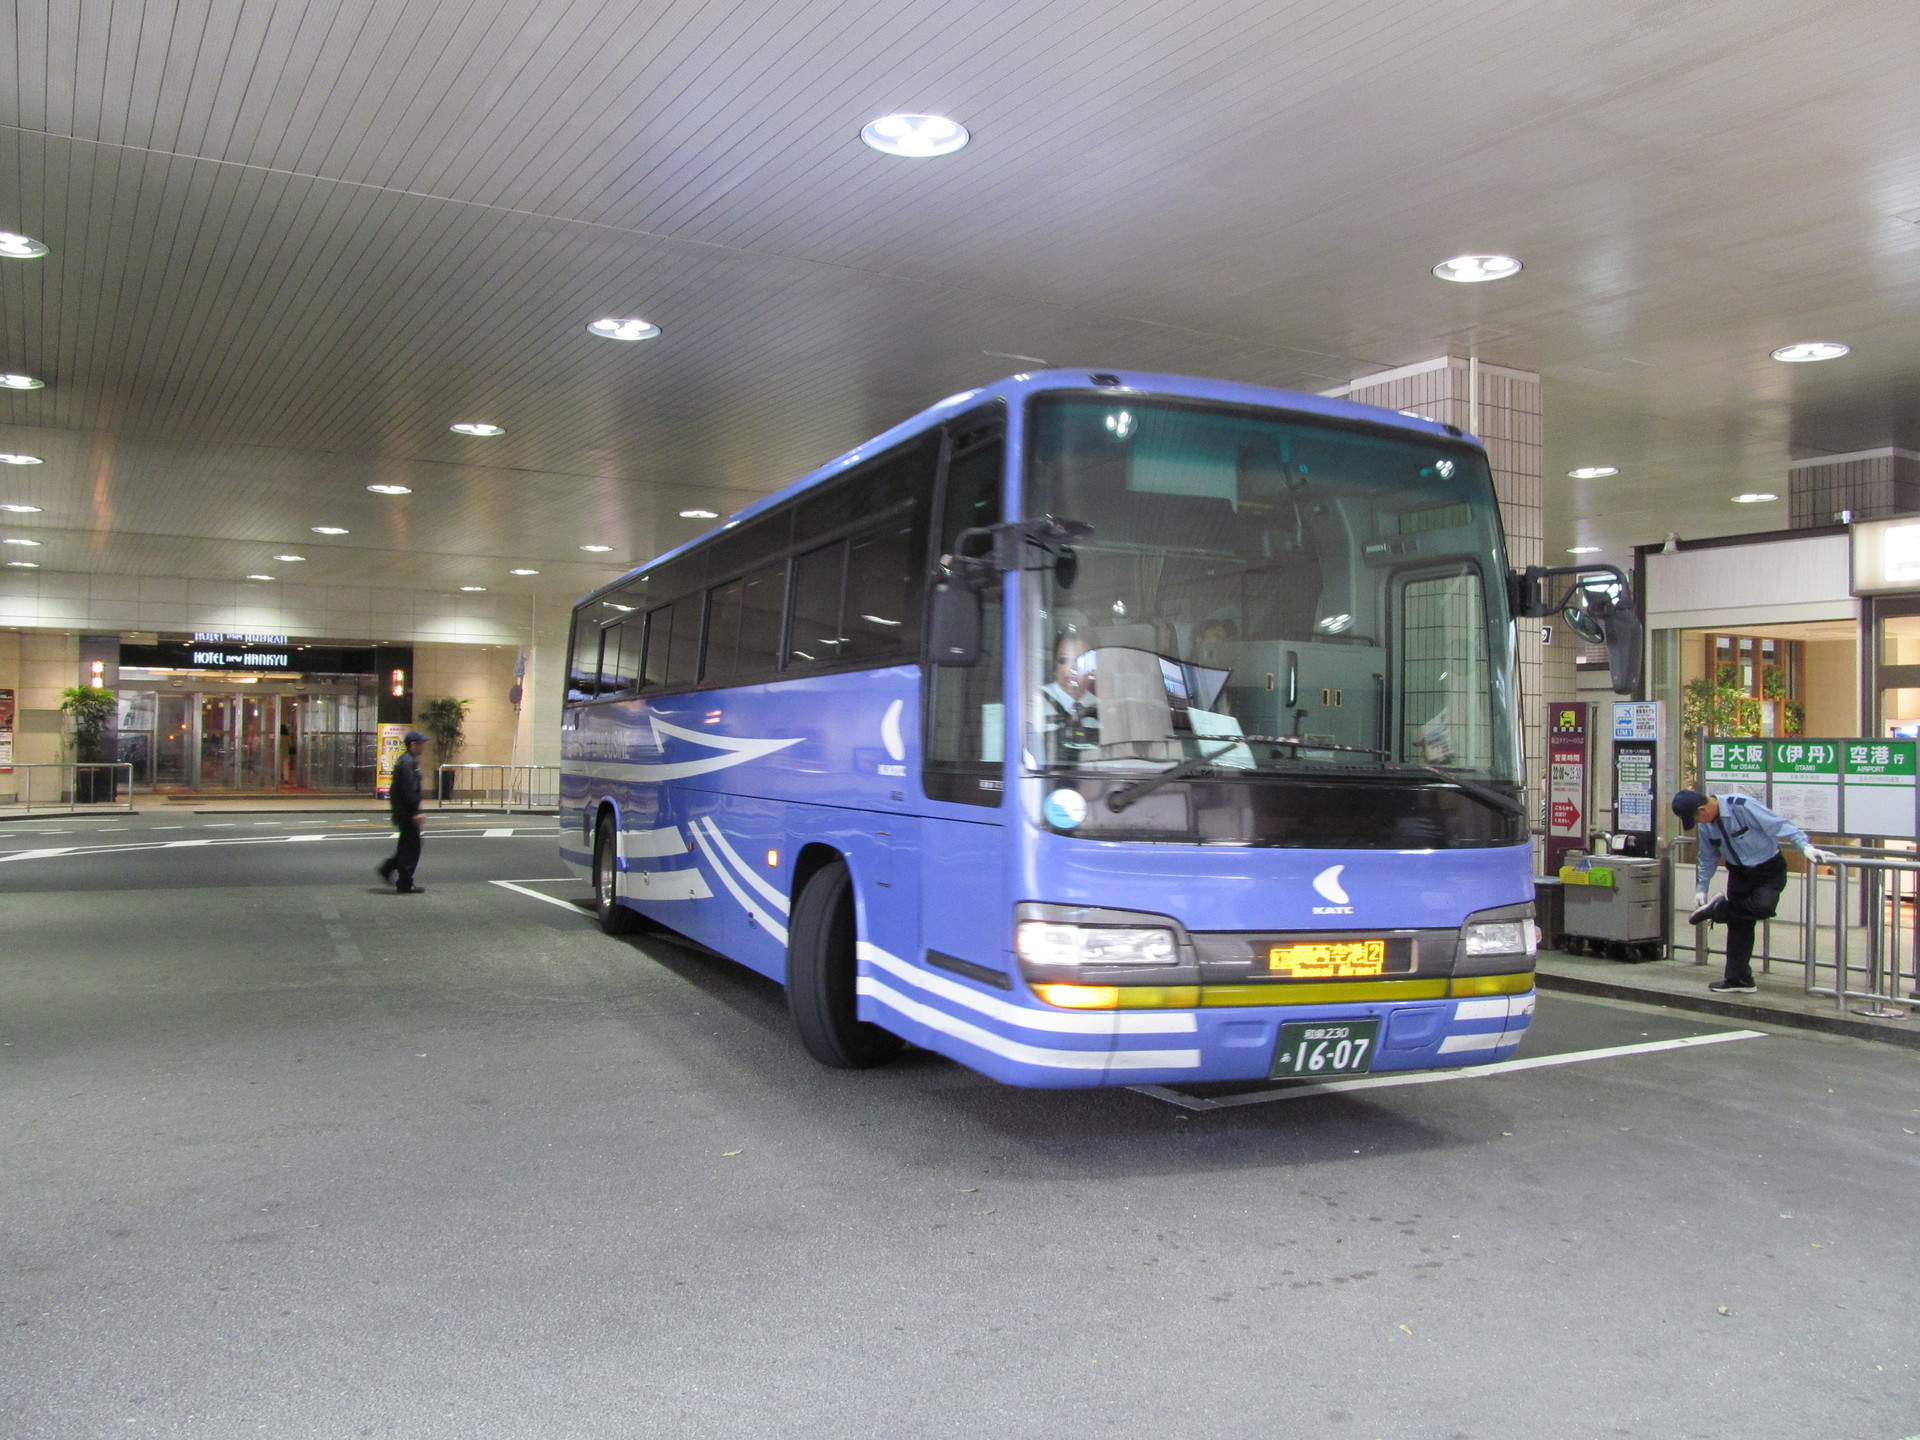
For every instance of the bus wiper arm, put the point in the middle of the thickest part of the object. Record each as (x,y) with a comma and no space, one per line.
(1118,800)
(1473,789)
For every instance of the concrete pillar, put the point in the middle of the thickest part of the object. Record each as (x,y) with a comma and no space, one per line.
(1501,406)
(538,737)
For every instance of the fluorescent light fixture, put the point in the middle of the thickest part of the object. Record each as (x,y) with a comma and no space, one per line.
(21,382)
(20,247)
(1593,472)
(291,559)
(523,572)
(21,460)
(699,514)
(329,530)
(632,328)
(391,489)
(918,137)
(23,565)
(475,427)
(1804,352)
(12,540)
(597,549)
(1474,269)
(1583,550)
(1755,497)
(21,509)
(474,589)
(259,577)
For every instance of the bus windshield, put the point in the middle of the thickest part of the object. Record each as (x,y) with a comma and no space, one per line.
(1265,597)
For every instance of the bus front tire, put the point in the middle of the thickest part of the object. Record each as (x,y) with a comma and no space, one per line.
(614,918)
(821,969)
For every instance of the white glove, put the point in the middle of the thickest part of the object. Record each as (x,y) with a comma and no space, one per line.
(1699,898)
(1817,857)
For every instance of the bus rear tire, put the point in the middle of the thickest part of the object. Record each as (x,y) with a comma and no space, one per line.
(821,971)
(614,918)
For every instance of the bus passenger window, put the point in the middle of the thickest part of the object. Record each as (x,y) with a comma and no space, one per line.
(723,633)
(880,586)
(659,630)
(683,652)
(763,596)
(583,675)
(817,577)
(619,660)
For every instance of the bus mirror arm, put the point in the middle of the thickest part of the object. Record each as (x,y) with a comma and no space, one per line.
(979,557)
(1598,604)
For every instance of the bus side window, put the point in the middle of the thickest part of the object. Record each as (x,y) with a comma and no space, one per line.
(583,671)
(881,609)
(619,660)
(659,628)
(818,577)
(965,721)
(683,649)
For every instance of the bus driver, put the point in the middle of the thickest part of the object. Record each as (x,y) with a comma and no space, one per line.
(1071,701)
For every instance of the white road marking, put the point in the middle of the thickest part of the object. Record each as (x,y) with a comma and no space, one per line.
(494,834)
(125,849)
(519,887)
(1435,1077)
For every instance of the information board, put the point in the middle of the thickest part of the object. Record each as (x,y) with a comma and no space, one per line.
(1636,719)
(1735,767)
(1806,783)
(1633,799)
(393,743)
(1878,788)
(1567,821)
(6,731)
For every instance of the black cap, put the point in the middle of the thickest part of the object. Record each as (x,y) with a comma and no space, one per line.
(413,735)
(1686,803)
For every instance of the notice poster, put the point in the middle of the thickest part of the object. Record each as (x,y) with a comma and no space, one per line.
(6,731)
(1806,783)
(393,743)
(1566,780)
(1878,788)
(1633,786)
(1736,767)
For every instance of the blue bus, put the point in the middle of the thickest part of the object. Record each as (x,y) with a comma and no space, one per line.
(1088,729)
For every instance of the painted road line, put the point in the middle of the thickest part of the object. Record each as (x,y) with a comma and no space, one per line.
(519,887)
(1436,1077)
(6,856)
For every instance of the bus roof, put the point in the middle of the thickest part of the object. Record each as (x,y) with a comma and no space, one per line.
(1011,389)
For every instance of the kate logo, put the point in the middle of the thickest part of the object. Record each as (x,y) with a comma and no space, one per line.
(1327,883)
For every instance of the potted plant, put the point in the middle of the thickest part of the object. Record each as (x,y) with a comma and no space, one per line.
(444,722)
(1714,707)
(91,709)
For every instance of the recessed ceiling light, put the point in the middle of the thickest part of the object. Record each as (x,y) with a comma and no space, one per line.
(259,577)
(23,565)
(474,589)
(21,460)
(1806,351)
(20,247)
(597,549)
(1593,472)
(290,559)
(523,572)
(1583,550)
(1472,269)
(466,427)
(21,509)
(15,541)
(917,137)
(1755,497)
(699,515)
(391,489)
(633,328)
(21,382)
(328,530)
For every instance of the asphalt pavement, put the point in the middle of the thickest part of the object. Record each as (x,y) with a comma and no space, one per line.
(287,1154)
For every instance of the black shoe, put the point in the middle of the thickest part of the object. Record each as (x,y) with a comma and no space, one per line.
(385,870)
(1706,913)
(1732,987)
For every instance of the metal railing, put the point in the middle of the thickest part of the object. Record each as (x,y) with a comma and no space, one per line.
(70,787)
(1849,925)
(497,787)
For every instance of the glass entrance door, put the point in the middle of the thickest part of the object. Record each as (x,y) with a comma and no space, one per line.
(219,748)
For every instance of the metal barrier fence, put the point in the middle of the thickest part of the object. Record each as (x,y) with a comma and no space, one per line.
(69,787)
(1848,925)
(497,787)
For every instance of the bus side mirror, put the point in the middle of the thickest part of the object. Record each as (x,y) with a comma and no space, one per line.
(953,623)
(1623,632)
(1599,607)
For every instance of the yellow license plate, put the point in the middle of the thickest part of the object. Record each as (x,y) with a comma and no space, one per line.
(1328,959)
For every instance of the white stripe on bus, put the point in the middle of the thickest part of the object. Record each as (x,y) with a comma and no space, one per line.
(1492,1040)
(772,926)
(652,844)
(1026,1054)
(769,893)
(1064,1022)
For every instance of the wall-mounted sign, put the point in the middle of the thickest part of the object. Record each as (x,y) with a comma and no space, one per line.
(6,730)
(1636,719)
(1736,767)
(1878,785)
(1566,780)
(210,637)
(202,658)
(1806,783)
(1846,786)
(1886,556)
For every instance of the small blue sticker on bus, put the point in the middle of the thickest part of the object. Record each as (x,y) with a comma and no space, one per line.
(1066,809)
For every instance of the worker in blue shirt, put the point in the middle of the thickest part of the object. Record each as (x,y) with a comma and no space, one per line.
(1747,835)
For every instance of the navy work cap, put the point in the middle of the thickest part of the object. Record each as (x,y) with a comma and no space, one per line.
(413,735)
(1686,803)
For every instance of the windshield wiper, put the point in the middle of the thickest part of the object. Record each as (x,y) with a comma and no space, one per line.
(1472,789)
(1118,800)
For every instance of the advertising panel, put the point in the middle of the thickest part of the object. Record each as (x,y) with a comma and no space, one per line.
(393,744)
(1567,822)
(6,731)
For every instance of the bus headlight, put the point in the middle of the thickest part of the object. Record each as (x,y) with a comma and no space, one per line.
(1497,937)
(1047,943)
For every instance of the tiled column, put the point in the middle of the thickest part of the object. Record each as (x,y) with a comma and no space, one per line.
(1501,406)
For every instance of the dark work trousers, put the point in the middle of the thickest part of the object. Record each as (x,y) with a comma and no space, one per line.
(407,855)
(1753,894)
